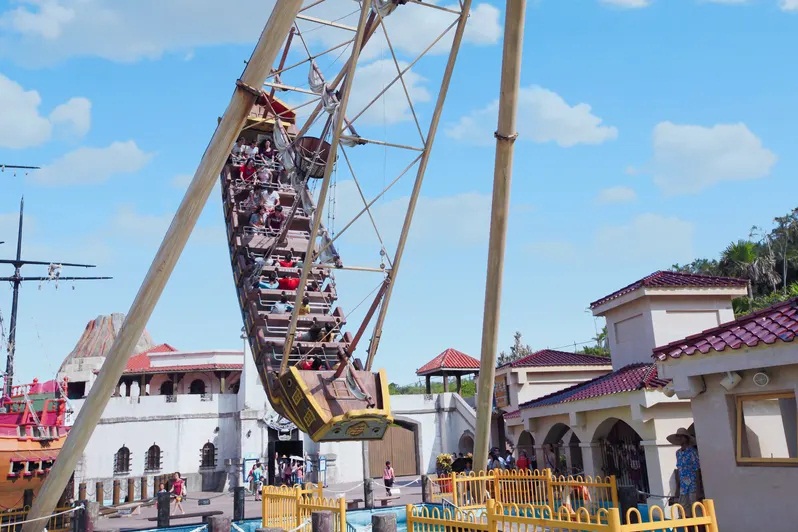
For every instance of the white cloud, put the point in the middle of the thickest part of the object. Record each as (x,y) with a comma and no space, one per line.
(85,166)
(789,5)
(648,237)
(543,116)
(469,210)
(22,125)
(689,158)
(617,194)
(391,107)
(413,30)
(628,4)
(47,31)
(75,115)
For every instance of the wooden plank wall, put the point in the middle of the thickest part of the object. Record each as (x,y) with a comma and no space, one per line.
(398,446)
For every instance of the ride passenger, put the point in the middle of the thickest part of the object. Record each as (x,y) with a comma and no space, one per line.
(258,218)
(269,199)
(275,219)
(269,283)
(248,171)
(282,306)
(304,308)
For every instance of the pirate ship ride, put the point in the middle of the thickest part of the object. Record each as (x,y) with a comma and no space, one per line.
(275,192)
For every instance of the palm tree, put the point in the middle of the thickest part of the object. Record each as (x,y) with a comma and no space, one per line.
(751,261)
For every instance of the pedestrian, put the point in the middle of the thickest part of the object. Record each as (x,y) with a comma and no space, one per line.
(179,491)
(689,489)
(388,476)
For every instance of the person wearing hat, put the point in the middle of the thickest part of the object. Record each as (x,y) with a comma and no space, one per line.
(688,471)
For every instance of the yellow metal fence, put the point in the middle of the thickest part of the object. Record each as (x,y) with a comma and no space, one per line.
(289,507)
(526,487)
(533,518)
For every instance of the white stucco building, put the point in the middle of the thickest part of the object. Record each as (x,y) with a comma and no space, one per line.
(741,379)
(618,423)
(206,415)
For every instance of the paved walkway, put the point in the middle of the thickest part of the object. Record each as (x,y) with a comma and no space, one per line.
(408,494)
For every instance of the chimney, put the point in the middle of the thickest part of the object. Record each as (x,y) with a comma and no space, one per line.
(664,307)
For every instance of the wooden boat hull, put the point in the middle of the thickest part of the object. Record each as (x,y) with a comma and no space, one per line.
(353,405)
(33,458)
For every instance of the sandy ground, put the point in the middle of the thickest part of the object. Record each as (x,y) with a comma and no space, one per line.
(224,502)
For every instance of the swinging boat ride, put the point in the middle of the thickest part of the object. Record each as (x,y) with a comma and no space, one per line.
(284,264)
(352,403)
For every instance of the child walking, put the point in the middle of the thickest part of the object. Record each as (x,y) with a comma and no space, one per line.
(388,477)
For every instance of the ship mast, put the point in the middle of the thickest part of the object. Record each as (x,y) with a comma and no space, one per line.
(16,281)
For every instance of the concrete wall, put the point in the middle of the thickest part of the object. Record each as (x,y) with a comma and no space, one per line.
(764,489)
(180,429)
(527,384)
(636,325)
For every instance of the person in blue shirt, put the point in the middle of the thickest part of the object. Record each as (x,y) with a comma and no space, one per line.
(282,306)
(689,488)
(257,478)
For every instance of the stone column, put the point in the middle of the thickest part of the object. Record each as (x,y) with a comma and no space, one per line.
(592,459)
(661,463)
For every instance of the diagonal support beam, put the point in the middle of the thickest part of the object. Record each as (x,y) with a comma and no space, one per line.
(261,61)
(340,118)
(422,167)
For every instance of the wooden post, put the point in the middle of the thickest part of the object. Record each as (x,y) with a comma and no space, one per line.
(383,522)
(220,523)
(145,489)
(163,510)
(445,382)
(426,489)
(116,494)
(709,507)
(459,382)
(82,491)
(321,522)
(368,494)
(429,385)
(505,137)
(130,496)
(259,65)
(98,493)
(238,503)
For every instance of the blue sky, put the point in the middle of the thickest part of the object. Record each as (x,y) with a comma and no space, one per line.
(651,132)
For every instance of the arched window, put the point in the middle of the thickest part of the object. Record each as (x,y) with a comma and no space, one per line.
(167,388)
(208,455)
(197,387)
(153,458)
(122,460)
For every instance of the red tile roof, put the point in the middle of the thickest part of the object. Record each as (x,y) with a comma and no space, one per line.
(451,359)
(512,415)
(142,363)
(667,279)
(627,379)
(550,357)
(778,323)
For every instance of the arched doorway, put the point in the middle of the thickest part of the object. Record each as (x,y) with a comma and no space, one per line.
(399,446)
(466,444)
(526,443)
(553,450)
(622,454)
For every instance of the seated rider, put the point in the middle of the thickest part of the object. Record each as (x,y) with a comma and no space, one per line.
(304,308)
(275,219)
(282,306)
(269,283)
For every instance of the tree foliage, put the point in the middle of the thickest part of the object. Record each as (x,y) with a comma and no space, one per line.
(468,387)
(767,258)
(601,347)
(517,350)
